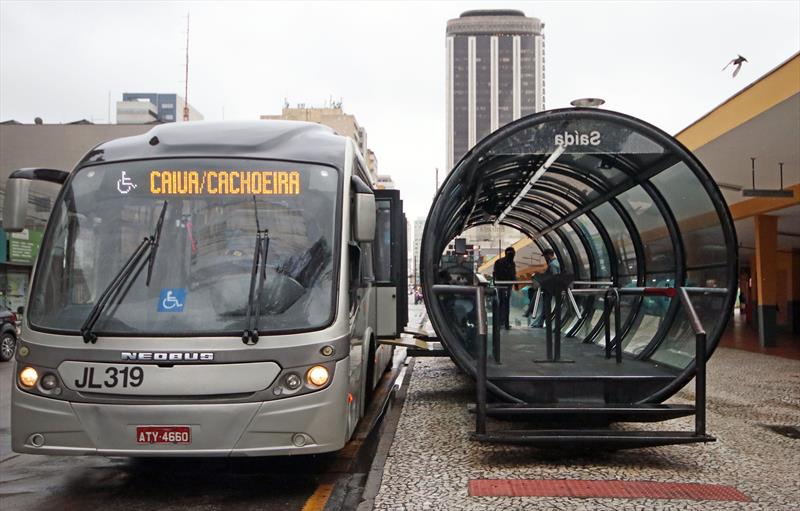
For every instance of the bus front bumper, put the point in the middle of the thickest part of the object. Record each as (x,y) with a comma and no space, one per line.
(41,425)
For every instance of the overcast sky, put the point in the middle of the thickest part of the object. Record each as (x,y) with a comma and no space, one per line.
(659,61)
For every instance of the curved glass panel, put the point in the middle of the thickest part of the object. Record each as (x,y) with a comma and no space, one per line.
(678,348)
(651,314)
(597,246)
(659,252)
(696,216)
(584,268)
(621,238)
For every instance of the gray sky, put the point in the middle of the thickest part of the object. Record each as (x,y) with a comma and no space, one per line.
(660,61)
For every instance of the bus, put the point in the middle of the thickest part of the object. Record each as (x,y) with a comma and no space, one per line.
(207,289)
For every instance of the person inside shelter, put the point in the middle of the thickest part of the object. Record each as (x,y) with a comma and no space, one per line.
(553,268)
(504,271)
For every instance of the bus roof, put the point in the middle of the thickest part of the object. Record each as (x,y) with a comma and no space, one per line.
(274,139)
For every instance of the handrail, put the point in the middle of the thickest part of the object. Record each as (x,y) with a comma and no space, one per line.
(700,358)
(672,291)
(694,319)
(707,290)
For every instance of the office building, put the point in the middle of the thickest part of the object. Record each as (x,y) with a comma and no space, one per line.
(334,117)
(152,107)
(495,74)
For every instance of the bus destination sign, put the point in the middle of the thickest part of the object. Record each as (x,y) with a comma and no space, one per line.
(224,182)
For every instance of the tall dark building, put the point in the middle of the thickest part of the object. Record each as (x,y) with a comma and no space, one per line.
(495,74)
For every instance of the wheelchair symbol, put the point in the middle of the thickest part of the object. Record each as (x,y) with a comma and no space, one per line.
(124,184)
(170,302)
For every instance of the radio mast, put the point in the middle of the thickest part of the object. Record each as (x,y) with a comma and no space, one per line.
(186,77)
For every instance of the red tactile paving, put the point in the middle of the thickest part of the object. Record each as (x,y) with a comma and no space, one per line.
(602,489)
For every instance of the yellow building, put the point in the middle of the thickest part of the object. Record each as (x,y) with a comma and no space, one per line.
(761,121)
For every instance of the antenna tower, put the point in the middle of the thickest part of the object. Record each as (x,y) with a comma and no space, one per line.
(186,76)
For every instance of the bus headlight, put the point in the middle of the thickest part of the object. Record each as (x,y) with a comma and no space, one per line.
(28,377)
(49,381)
(292,381)
(317,376)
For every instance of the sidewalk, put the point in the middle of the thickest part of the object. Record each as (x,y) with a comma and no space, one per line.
(432,459)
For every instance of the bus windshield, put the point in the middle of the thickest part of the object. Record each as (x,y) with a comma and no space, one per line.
(202,269)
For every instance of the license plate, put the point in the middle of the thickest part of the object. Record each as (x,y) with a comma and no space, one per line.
(163,435)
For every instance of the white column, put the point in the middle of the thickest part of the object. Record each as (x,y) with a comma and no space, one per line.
(517,79)
(471,96)
(449,103)
(494,76)
(538,55)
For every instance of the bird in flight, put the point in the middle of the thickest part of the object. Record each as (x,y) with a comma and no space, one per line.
(737,63)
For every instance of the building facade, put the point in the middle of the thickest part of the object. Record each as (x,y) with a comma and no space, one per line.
(153,107)
(55,146)
(495,74)
(334,117)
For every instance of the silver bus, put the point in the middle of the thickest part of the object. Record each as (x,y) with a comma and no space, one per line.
(207,289)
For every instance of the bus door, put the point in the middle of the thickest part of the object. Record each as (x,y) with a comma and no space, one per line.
(391,264)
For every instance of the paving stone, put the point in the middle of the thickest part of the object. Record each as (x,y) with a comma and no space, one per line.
(432,458)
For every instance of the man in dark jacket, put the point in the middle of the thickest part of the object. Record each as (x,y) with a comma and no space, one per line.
(504,270)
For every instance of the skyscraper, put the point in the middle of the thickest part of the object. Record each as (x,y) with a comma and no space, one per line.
(495,74)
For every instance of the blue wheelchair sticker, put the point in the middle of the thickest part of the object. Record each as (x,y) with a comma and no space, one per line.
(172,299)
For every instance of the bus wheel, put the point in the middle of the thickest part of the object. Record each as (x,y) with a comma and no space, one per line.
(8,343)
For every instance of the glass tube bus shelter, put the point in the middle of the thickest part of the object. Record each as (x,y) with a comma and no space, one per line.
(624,206)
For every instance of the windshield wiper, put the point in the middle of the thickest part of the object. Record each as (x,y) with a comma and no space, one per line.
(250,334)
(148,244)
(154,242)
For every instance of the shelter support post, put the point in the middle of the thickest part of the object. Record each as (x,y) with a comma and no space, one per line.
(496,326)
(480,343)
(700,362)
(766,235)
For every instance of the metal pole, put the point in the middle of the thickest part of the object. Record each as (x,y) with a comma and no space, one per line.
(617,331)
(548,318)
(557,347)
(607,319)
(573,302)
(481,383)
(700,385)
(496,326)
(536,303)
(700,363)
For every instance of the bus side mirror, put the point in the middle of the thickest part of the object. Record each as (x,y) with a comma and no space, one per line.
(364,213)
(15,209)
